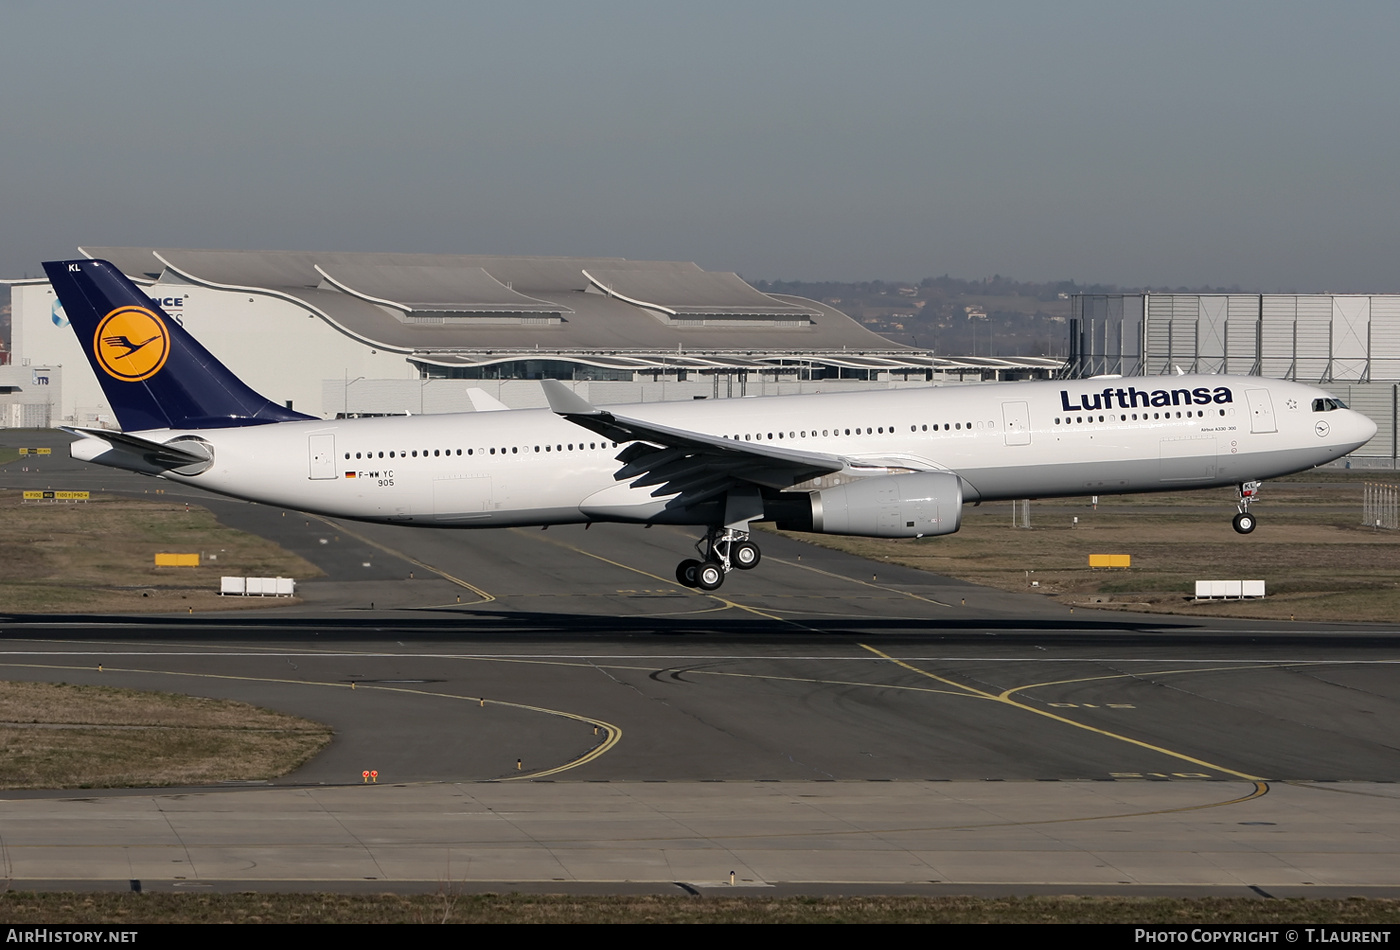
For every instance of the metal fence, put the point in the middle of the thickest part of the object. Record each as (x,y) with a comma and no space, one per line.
(1380,507)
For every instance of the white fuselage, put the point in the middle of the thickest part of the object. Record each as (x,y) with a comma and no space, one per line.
(1009,440)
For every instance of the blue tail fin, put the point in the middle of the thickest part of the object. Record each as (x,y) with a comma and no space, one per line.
(155,375)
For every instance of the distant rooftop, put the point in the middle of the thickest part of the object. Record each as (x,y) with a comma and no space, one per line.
(467,312)
(442,304)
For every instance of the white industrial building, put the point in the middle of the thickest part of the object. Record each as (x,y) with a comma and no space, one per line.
(1347,343)
(28,393)
(347,333)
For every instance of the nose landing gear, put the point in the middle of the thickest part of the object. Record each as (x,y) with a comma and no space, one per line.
(722,550)
(1244,522)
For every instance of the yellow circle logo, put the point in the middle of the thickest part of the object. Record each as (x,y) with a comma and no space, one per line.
(131,344)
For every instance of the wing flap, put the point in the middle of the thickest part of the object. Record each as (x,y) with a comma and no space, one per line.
(691,496)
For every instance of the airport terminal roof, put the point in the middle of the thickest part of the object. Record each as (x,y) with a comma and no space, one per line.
(471,310)
(441,304)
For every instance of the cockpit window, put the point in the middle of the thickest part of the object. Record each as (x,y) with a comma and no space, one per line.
(1327,404)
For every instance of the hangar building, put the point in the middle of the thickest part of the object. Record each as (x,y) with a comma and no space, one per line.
(357,333)
(1347,343)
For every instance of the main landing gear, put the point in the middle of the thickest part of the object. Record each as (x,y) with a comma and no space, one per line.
(721,551)
(1244,522)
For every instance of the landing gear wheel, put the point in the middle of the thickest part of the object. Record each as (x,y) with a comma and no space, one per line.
(1244,522)
(745,555)
(687,571)
(709,576)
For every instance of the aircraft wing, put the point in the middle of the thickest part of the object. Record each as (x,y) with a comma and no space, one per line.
(696,465)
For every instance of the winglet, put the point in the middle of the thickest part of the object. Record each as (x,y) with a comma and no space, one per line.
(482,401)
(565,401)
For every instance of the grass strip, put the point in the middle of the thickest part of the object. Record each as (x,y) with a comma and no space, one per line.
(56,735)
(99,557)
(19,908)
(1317,559)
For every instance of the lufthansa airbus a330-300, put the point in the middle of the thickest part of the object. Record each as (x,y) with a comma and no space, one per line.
(891,464)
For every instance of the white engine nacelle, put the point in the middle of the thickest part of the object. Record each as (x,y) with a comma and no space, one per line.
(891,506)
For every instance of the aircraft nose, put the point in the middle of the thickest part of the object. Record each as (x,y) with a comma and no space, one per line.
(1367,426)
(1357,429)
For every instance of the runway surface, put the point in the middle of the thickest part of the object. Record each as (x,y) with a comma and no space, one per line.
(549,708)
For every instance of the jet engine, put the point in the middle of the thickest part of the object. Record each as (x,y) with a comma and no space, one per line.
(911,505)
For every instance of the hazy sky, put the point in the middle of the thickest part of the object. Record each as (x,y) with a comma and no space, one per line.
(1163,144)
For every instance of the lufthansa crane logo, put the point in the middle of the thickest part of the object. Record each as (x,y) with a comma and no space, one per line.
(131,344)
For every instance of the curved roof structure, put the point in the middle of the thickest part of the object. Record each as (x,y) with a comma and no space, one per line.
(418,289)
(438,304)
(468,311)
(690,296)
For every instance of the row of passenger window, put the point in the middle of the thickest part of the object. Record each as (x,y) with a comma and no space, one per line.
(503,450)
(1133,417)
(773,437)
(867,430)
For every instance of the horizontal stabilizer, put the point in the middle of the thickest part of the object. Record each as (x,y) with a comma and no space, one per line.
(186,455)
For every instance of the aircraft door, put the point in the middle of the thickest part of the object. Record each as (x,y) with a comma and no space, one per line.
(322,454)
(1261,411)
(1018,422)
